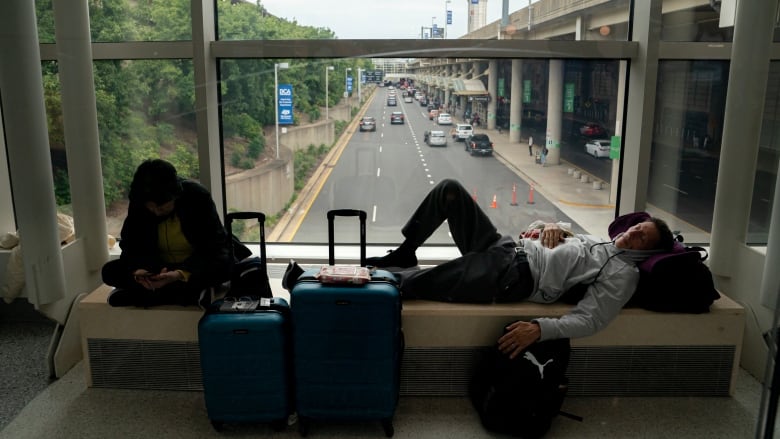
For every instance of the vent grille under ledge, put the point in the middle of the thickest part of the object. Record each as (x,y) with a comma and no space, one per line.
(445,371)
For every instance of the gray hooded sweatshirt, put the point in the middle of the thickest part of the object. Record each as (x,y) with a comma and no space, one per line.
(582,259)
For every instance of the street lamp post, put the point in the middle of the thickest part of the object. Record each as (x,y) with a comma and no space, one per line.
(277,66)
(327,115)
(360,81)
(446,16)
(433,23)
(346,90)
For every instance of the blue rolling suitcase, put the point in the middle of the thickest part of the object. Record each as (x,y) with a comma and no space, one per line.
(245,361)
(347,344)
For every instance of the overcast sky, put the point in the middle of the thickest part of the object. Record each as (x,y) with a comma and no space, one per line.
(382,19)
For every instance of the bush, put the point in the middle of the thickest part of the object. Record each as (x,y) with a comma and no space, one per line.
(256,147)
(314,114)
(305,161)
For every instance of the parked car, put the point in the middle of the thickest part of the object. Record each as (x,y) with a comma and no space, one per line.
(444,119)
(396,117)
(598,148)
(461,131)
(367,123)
(436,138)
(592,129)
(479,144)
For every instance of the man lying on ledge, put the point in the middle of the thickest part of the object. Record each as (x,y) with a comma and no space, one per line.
(495,268)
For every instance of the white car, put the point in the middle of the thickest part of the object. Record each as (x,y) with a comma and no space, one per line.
(461,132)
(444,119)
(437,138)
(598,148)
(407,99)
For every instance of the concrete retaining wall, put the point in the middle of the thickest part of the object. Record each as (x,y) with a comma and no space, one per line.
(269,187)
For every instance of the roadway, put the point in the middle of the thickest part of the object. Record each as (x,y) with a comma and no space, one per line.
(387,172)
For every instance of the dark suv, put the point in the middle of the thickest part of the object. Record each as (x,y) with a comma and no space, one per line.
(396,117)
(479,144)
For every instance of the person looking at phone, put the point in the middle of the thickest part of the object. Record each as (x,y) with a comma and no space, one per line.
(174,246)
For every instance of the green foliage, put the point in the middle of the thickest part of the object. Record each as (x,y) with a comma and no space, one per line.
(314,114)
(146,107)
(305,162)
(239,158)
(168,20)
(242,125)
(339,126)
(61,187)
(186,161)
(256,146)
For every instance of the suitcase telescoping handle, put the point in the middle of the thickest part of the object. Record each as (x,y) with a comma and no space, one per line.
(230,217)
(332,214)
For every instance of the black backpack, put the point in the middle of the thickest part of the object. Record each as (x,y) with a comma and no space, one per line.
(521,396)
(677,281)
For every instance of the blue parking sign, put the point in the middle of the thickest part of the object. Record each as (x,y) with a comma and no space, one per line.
(349,84)
(285,95)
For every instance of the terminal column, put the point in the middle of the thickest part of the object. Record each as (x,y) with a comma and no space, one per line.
(492,94)
(515,101)
(554,112)
(27,136)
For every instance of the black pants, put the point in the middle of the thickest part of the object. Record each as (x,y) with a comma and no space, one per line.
(128,292)
(485,272)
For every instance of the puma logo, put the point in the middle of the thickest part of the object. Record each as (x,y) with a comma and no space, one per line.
(530,357)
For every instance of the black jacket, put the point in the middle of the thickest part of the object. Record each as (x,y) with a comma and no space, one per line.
(211,259)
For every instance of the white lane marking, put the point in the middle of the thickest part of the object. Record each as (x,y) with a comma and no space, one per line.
(378,172)
(373,214)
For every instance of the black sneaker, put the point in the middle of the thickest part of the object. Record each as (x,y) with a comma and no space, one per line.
(291,275)
(396,259)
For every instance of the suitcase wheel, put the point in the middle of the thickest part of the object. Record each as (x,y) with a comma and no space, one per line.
(387,424)
(217,425)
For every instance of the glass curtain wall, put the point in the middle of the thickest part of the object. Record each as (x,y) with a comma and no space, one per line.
(146,107)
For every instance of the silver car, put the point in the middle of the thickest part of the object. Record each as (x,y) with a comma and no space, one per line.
(436,138)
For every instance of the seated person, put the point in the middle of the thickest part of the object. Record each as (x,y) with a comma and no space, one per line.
(495,268)
(174,246)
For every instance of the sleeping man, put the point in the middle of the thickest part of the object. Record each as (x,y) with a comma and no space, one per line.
(496,268)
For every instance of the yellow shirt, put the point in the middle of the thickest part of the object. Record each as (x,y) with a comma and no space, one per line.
(173,245)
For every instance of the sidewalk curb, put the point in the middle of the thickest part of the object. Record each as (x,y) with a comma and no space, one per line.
(538,187)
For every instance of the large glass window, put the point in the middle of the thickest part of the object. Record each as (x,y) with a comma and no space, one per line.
(690,102)
(145,110)
(117,21)
(327,159)
(699,23)
(768,161)
(53,101)
(410,19)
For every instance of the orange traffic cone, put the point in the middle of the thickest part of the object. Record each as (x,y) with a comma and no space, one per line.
(494,204)
(531,195)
